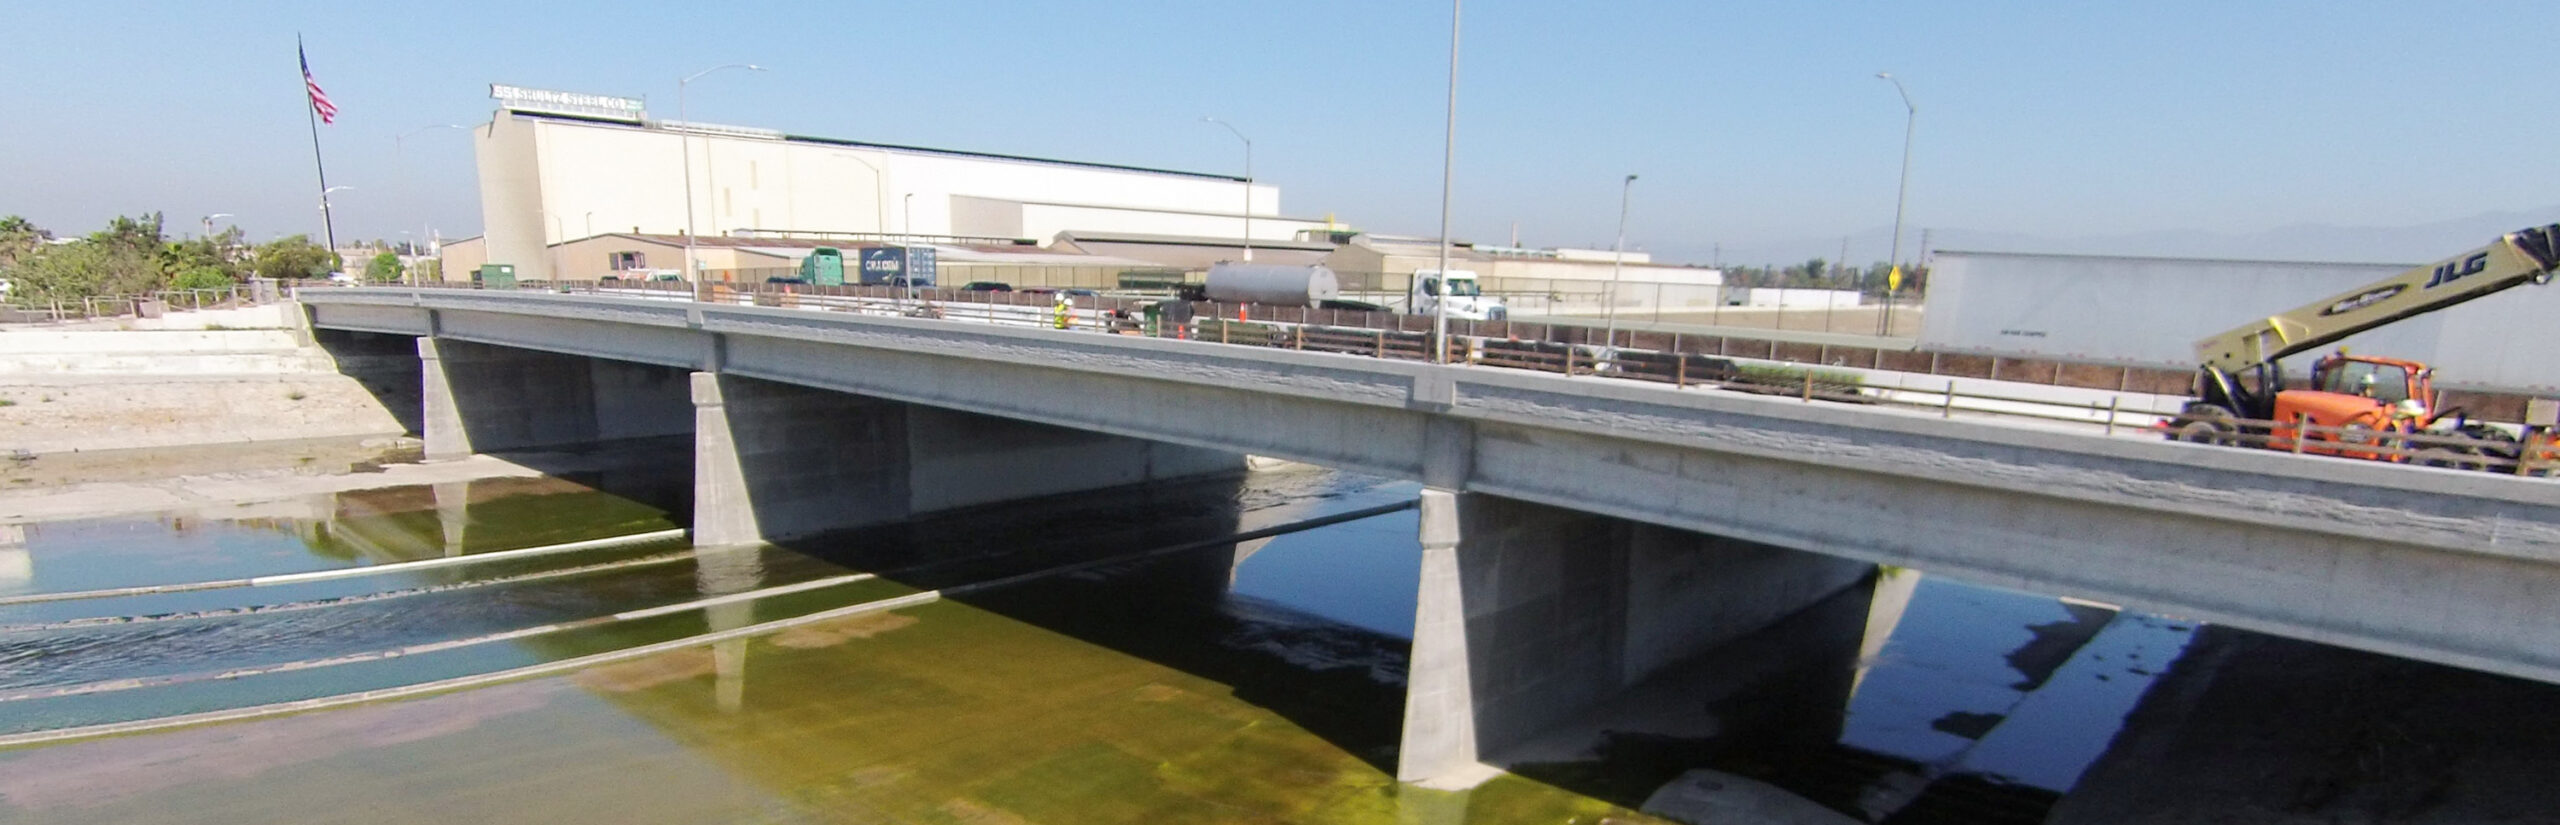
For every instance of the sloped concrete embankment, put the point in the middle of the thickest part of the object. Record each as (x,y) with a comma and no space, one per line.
(67,390)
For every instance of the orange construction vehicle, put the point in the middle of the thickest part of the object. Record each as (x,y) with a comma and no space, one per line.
(2356,402)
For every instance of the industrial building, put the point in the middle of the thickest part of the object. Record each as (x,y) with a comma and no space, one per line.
(555,167)
(582,187)
(2152,311)
(642,256)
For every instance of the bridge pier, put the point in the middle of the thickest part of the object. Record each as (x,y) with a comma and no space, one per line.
(775,461)
(1529,614)
(481,398)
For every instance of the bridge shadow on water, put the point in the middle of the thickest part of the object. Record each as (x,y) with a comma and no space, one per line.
(1175,609)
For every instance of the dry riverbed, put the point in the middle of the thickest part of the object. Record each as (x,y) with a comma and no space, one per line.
(63,414)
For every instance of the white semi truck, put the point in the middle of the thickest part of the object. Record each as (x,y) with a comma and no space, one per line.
(1466,297)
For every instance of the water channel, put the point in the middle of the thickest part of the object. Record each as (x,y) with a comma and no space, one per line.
(1114,657)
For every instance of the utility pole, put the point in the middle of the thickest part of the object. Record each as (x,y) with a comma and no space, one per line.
(1448,165)
(1617,262)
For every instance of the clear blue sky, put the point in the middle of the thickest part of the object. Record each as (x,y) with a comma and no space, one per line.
(1751,123)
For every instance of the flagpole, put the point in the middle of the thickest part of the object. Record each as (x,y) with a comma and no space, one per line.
(311,112)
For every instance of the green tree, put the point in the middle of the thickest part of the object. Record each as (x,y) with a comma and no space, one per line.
(201,277)
(294,257)
(19,239)
(383,269)
(62,272)
(199,261)
(430,271)
(126,258)
(137,234)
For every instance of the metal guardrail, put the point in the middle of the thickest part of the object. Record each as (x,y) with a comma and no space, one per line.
(1223,324)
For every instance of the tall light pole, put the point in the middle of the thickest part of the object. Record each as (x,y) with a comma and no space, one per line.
(1618,262)
(208,222)
(880,227)
(907,225)
(687,144)
(1248,183)
(1448,163)
(1910,123)
(879,197)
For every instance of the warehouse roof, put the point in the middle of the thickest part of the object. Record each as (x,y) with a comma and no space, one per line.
(858,144)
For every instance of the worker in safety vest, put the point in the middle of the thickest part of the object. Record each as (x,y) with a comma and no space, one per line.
(1064,304)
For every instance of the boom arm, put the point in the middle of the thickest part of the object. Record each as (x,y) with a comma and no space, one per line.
(2512,260)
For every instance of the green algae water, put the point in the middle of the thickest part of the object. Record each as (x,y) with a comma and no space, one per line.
(1232,682)
(1165,689)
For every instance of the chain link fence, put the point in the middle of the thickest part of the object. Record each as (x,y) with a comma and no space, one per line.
(146,305)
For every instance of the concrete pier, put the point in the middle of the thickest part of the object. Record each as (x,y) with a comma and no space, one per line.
(481,398)
(774,461)
(1530,614)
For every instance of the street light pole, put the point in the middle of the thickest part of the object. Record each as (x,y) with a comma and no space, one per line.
(1248,184)
(1448,164)
(687,145)
(208,222)
(1910,123)
(1618,262)
(880,220)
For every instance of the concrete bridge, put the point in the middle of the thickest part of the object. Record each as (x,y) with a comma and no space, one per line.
(1578,533)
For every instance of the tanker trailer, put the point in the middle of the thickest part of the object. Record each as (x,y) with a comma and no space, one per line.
(1274,284)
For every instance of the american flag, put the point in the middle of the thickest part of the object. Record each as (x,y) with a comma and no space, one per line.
(319,99)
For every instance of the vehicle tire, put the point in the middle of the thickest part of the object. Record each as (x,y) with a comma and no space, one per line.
(2206,424)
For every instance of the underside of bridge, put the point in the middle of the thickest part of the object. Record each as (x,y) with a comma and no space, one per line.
(775,460)
(772,460)
(1530,615)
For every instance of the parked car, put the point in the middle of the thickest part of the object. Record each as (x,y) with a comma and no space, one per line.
(986,286)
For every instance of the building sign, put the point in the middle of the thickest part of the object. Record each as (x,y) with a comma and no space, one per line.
(577,104)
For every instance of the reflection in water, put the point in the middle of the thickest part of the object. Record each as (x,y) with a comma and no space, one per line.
(1132,691)
(722,571)
(1247,682)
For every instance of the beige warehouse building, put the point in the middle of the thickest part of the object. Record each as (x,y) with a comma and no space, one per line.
(551,173)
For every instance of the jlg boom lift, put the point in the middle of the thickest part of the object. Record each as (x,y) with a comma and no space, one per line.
(2240,394)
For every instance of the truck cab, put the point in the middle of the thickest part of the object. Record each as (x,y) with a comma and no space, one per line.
(1465,294)
(2360,393)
